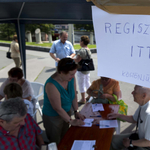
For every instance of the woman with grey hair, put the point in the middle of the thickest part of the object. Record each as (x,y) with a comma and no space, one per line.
(17,128)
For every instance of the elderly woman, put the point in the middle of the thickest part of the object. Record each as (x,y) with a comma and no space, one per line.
(59,96)
(16,75)
(110,87)
(17,128)
(83,76)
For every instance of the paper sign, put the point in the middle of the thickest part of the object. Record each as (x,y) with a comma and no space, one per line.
(123,46)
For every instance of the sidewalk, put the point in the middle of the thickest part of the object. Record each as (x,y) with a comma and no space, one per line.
(40,66)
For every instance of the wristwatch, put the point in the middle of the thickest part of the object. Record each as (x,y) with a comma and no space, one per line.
(131,145)
(76,111)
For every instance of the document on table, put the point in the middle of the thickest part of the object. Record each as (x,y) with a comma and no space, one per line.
(83,145)
(97,107)
(88,122)
(108,124)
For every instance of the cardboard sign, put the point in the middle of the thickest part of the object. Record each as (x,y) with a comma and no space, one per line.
(123,46)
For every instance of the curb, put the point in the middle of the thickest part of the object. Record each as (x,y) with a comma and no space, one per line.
(42,49)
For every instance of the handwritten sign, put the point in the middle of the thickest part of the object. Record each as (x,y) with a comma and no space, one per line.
(123,46)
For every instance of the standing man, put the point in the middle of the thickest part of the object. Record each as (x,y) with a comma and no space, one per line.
(141,96)
(15,53)
(62,48)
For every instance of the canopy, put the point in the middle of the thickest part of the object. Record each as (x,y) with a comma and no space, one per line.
(43,11)
(124,6)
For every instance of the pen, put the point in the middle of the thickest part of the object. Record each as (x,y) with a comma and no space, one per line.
(96,116)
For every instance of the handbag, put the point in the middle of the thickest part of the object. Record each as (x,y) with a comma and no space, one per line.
(8,54)
(86,64)
(123,107)
(98,99)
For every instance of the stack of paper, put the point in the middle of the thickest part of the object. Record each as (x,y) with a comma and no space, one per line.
(97,107)
(88,122)
(108,124)
(83,145)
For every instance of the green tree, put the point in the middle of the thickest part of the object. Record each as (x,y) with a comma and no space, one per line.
(43,27)
(7,30)
(87,27)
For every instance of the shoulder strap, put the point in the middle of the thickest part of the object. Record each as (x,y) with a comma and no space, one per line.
(137,120)
(87,54)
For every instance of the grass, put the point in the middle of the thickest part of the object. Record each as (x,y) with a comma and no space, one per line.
(76,46)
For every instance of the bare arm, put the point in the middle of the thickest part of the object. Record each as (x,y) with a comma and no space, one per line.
(28,98)
(91,93)
(139,143)
(55,100)
(123,117)
(77,59)
(39,140)
(75,104)
(72,55)
(54,57)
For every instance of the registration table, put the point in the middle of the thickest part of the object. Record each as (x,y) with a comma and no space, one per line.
(102,136)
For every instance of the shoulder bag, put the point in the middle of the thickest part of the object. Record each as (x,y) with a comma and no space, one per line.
(86,64)
(98,99)
(8,54)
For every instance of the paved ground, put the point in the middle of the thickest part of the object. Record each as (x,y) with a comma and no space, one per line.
(40,66)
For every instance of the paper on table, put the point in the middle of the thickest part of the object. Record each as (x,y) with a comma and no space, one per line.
(88,122)
(97,107)
(108,124)
(83,145)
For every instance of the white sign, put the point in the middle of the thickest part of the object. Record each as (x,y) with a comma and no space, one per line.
(123,46)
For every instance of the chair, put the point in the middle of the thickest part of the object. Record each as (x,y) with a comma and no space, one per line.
(38,89)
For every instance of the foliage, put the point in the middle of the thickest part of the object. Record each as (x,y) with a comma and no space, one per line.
(87,27)
(43,27)
(76,46)
(7,30)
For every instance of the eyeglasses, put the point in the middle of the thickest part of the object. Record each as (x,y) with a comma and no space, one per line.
(104,79)
(7,114)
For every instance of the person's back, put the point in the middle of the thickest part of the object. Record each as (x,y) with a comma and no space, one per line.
(14,90)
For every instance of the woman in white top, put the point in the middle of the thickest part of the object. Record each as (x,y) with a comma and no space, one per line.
(16,75)
(83,76)
(13,90)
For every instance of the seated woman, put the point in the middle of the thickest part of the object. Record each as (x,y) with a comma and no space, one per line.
(110,87)
(59,96)
(14,90)
(16,75)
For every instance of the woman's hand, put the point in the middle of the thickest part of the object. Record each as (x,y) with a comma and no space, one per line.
(76,122)
(79,116)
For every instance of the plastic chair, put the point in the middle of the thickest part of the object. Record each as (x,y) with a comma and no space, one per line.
(38,89)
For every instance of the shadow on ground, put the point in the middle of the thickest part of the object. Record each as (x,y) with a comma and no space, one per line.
(51,70)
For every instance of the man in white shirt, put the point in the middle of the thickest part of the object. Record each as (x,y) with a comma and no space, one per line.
(142,115)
